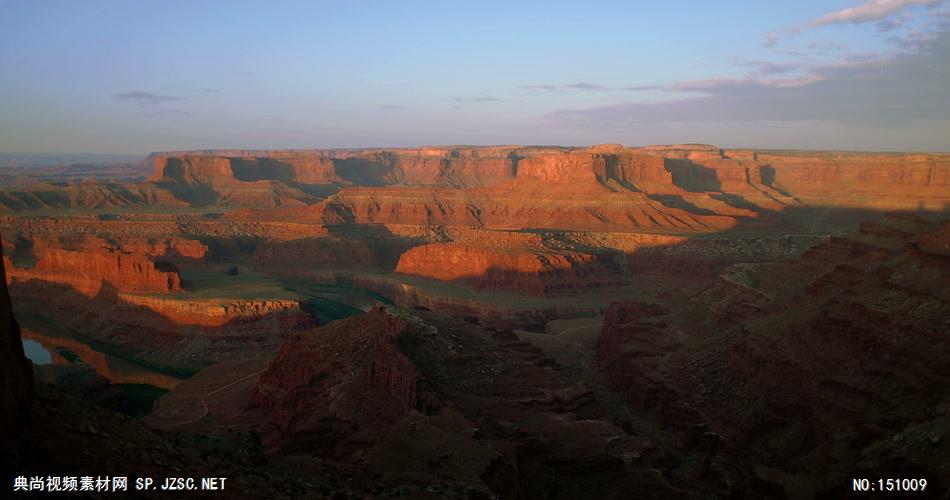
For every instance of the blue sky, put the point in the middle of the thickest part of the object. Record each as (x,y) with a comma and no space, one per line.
(133,77)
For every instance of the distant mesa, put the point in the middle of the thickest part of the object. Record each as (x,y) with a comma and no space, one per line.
(769,180)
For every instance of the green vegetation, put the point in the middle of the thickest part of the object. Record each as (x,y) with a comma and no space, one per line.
(331,302)
(68,355)
(140,398)
(328,310)
(182,373)
(220,284)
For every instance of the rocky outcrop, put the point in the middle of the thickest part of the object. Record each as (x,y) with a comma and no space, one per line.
(220,312)
(555,207)
(560,168)
(166,248)
(452,171)
(16,373)
(526,271)
(287,166)
(834,356)
(192,169)
(280,180)
(422,398)
(87,263)
(340,388)
(883,181)
(638,172)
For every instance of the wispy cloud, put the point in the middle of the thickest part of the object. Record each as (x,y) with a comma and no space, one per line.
(870,11)
(145,98)
(869,91)
(584,87)
(920,36)
(543,87)
(770,68)
(481,98)
(393,107)
(741,85)
(827,46)
(171,112)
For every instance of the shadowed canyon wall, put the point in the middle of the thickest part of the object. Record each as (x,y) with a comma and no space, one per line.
(838,356)
(16,372)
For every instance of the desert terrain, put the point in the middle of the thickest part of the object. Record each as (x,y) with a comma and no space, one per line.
(676,321)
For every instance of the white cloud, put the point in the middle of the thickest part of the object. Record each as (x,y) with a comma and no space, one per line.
(872,10)
(733,85)
(585,87)
(481,98)
(145,98)
(887,93)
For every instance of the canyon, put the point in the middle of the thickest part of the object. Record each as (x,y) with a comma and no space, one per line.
(818,367)
(504,321)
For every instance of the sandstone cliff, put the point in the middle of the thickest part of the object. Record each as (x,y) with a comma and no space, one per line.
(281,313)
(701,180)
(538,206)
(767,179)
(87,263)
(286,166)
(531,271)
